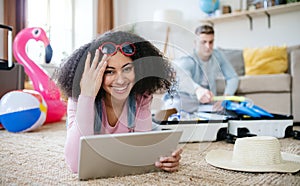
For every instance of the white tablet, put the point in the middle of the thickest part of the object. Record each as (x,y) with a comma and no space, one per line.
(111,155)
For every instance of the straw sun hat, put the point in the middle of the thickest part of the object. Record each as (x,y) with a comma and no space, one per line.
(255,154)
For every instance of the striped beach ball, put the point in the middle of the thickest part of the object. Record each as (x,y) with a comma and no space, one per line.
(22,110)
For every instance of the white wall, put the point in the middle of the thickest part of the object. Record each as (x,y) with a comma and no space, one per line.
(129,11)
(141,12)
(285,28)
(84,22)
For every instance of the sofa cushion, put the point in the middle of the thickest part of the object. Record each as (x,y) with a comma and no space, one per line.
(278,103)
(265,83)
(259,83)
(265,60)
(235,57)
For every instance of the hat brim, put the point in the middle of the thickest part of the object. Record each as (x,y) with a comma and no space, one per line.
(223,159)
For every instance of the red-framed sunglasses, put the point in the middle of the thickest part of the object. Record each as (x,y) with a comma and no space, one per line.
(110,48)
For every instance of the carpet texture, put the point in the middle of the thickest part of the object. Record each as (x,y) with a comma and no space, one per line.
(37,158)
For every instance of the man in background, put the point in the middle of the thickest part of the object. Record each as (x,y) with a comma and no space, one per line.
(197,74)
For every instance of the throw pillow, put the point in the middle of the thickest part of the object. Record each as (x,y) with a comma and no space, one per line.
(265,60)
(235,57)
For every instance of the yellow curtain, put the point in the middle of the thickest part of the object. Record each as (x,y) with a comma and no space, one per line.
(105,16)
(14,15)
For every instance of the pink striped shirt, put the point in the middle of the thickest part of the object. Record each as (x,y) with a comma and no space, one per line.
(81,116)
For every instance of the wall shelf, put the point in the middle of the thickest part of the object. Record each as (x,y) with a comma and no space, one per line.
(279,9)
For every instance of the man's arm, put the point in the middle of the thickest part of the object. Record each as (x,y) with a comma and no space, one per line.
(230,75)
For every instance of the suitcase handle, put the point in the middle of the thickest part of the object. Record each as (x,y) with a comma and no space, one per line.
(7,64)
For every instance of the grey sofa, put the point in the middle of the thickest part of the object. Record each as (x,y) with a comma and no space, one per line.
(276,93)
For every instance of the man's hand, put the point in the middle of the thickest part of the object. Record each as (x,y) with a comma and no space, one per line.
(218,106)
(204,95)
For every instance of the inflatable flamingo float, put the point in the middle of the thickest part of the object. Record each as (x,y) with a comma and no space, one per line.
(41,81)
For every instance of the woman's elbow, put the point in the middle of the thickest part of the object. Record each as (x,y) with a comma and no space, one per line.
(71,159)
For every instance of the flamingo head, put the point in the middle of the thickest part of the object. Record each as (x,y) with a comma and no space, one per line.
(37,34)
(40,35)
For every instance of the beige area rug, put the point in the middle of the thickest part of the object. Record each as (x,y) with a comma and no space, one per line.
(36,158)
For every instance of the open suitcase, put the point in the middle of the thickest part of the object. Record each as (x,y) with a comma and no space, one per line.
(197,128)
(12,75)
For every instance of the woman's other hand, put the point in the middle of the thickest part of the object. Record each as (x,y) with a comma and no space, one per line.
(92,75)
(170,164)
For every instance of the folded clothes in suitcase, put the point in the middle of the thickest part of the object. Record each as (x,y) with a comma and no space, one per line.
(12,75)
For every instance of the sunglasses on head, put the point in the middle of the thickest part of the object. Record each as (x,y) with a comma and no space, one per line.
(110,48)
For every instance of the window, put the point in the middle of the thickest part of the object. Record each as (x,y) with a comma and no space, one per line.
(66,29)
(55,17)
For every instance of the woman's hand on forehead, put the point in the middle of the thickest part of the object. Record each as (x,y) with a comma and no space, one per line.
(92,76)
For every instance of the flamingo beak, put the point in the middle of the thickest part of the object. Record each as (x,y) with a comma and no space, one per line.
(48,52)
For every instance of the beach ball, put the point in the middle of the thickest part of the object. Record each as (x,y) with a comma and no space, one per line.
(22,111)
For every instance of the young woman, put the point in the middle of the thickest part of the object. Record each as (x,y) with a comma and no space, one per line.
(109,83)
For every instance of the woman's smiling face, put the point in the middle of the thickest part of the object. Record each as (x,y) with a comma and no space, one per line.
(119,76)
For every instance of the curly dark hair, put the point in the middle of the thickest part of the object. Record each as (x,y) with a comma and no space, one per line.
(153,71)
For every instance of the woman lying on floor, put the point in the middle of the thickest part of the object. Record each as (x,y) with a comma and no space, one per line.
(109,83)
